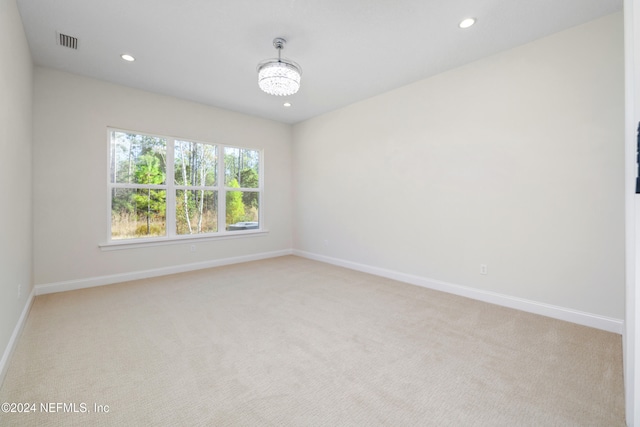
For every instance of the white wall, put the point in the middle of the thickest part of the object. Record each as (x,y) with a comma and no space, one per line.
(515,161)
(16,99)
(71,116)
(632,117)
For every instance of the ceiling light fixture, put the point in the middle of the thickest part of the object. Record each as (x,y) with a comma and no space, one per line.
(466,23)
(279,77)
(127,57)
(287,104)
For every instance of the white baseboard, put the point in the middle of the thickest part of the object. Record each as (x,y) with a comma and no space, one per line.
(71,285)
(556,312)
(8,351)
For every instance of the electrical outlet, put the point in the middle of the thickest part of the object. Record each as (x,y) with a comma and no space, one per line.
(483,268)
(193,248)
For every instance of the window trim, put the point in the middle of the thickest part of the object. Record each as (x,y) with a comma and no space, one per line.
(159,241)
(171,237)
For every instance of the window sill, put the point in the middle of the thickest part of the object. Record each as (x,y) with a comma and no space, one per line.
(117,245)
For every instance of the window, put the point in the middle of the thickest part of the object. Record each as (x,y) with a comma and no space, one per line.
(169,188)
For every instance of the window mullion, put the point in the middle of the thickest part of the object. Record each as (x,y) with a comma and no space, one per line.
(222,194)
(171,191)
(261,190)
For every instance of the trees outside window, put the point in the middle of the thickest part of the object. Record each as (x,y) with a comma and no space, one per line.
(195,169)
(145,204)
(242,169)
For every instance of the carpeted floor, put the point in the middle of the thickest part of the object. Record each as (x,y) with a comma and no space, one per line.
(294,342)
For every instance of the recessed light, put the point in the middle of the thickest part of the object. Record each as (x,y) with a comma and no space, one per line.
(466,23)
(127,57)
(287,104)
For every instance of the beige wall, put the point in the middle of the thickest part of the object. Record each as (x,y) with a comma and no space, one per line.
(71,117)
(514,161)
(16,95)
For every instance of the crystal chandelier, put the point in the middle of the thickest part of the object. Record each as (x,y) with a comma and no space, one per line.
(279,77)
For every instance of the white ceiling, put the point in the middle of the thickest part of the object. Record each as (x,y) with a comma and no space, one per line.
(207,50)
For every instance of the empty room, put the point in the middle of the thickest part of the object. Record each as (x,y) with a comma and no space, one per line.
(319,213)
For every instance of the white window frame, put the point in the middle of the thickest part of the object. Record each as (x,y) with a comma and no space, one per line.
(170,187)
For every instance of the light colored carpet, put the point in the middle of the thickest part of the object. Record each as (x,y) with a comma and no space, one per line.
(294,342)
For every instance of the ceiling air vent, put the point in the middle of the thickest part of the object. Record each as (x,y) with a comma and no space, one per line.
(67,41)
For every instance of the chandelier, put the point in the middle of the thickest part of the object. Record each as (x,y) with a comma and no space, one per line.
(279,77)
